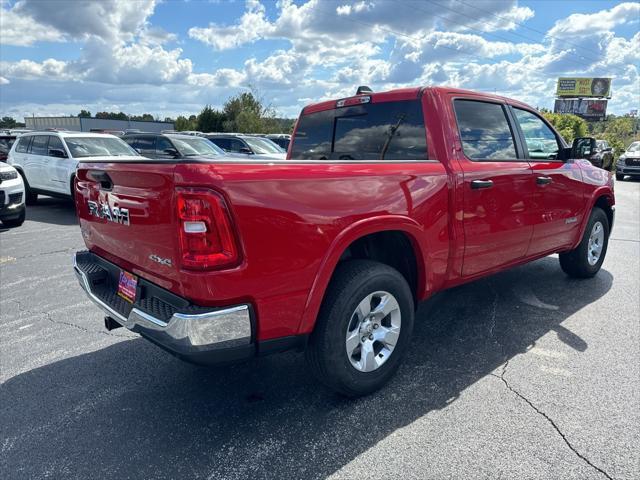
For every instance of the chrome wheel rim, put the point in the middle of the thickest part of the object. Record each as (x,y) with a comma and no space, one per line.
(596,242)
(373,331)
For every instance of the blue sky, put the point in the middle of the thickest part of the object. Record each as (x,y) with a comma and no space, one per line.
(172,57)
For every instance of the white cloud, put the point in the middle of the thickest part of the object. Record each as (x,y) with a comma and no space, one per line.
(598,22)
(79,19)
(23,30)
(253,25)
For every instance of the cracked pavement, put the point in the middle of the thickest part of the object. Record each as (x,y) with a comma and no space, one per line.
(526,374)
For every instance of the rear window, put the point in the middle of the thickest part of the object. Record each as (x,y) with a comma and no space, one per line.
(373,131)
(23,144)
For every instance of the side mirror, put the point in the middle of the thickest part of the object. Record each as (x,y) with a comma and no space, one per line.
(246,150)
(57,152)
(583,147)
(172,152)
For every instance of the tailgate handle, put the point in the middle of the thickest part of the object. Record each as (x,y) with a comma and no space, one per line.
(101,177)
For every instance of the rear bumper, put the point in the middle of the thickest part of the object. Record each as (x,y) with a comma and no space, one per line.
(195,334)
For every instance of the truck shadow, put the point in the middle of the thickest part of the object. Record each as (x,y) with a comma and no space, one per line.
(130,410)
(55,211)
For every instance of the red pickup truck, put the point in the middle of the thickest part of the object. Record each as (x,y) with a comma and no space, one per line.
(384,199)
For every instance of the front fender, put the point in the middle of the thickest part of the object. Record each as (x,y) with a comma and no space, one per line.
(357,230)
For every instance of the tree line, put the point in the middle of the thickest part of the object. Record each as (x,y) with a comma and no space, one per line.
(244,113)
(618,131)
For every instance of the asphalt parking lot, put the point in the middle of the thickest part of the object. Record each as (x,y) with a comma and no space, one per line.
(527,374)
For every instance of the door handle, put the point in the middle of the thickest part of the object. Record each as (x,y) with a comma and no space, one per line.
(544,180)
(476,184)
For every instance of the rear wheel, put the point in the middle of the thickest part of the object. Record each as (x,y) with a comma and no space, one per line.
(363,329)
(586,259)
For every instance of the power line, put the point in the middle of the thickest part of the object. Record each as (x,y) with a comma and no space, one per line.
(546,34)
(592,59)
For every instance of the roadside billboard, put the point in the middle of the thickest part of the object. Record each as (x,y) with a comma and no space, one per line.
(583,87)
(589,109)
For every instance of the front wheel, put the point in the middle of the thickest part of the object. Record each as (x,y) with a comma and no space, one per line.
(586,259)
(363,329)
(619,177)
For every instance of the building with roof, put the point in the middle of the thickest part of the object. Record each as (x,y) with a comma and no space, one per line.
(89,124)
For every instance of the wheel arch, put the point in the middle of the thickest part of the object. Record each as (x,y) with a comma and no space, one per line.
(604,199)
(367,239)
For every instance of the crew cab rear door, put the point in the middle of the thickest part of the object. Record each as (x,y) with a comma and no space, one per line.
(497,186)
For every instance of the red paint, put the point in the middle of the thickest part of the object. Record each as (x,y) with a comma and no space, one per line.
(293,220)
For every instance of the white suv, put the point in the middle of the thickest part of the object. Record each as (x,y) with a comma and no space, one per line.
(12,210)
(47,161)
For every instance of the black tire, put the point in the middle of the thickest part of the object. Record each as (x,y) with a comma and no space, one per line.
(326,354)
(16,222)
(575,263)
(30,197)
(619,177)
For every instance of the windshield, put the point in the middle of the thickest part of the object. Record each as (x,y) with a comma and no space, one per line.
(197,147)
(634,147)
(263,145)
(82,147)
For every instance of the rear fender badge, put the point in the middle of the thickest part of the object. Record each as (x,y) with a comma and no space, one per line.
(111,214)
(162,261)
(571,220)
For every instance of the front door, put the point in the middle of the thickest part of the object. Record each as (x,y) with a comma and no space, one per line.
(497,188)
(558,192)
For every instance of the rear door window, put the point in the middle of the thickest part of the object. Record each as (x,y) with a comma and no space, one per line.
(39,145)
(373,131)
(484,131)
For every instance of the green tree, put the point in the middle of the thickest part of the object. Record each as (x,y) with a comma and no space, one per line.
(112,115)
(183,123)
(619,132)
(84,114)
(210,120)
(145,117)
(569,126)
(8,122)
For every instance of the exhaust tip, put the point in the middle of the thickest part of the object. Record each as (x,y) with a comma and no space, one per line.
(111,324)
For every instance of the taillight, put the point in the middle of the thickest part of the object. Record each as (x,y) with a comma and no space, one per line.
(207,240)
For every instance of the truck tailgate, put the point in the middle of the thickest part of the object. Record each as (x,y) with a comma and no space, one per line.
(127,215)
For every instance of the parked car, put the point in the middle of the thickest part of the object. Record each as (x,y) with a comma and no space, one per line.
(12,209)
(629,162)
(6,142)
(281,139)
(330,250)
(167,146)
(47,160)
(248,145)
(603,155)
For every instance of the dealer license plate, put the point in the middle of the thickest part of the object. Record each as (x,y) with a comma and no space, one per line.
(127,286)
